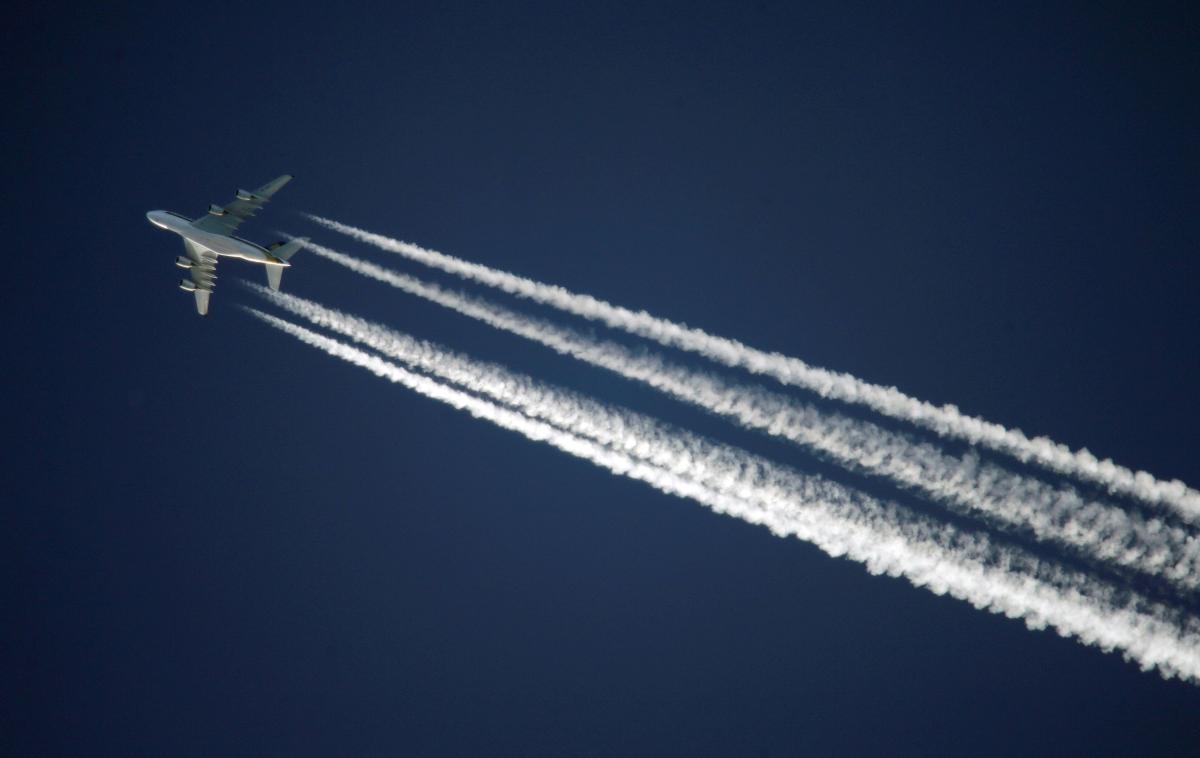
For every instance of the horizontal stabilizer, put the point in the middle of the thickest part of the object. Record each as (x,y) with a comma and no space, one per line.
(274,274)
(285,250)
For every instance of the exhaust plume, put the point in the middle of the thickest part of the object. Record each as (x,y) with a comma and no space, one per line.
(1100,532)
(945,420)
(839,521)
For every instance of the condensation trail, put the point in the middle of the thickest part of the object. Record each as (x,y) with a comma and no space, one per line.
(946,420)
(1101,531)
(939,557)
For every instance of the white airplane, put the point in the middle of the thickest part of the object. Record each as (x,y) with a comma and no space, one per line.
(211,236)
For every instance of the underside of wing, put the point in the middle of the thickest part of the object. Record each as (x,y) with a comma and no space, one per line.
(225,219)
(202,273)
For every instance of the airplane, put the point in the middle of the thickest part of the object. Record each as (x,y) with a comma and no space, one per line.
(211,236)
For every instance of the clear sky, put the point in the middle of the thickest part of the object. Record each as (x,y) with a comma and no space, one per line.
(218,541)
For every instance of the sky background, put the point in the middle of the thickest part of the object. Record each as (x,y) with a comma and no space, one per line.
(219,541)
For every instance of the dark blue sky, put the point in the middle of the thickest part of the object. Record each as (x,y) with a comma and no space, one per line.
(218,541)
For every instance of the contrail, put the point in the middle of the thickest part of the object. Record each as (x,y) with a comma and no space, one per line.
(1102,532)
(946,420)
(939,557)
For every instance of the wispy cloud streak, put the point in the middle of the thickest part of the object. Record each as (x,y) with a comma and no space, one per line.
(946,420)
(1101,532)
(840,522)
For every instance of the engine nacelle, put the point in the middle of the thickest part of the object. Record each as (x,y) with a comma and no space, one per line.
(244,195)
(216,210)
(187,285)
(184,262)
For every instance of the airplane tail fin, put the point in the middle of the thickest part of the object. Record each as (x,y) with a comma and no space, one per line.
(274,274)
(285,250)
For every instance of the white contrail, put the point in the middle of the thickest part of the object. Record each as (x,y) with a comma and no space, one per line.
(967,566)
(1103,532)
(946,420)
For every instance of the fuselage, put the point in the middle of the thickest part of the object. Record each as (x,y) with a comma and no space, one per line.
(218,244)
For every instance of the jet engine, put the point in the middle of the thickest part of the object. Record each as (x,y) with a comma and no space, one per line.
(216,210)
(244,195)
(187,285)
(184,262)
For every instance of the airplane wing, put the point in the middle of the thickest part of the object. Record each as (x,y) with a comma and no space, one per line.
(203,273)
(224,219)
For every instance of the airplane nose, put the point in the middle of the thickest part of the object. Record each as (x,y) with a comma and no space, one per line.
(155,217)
